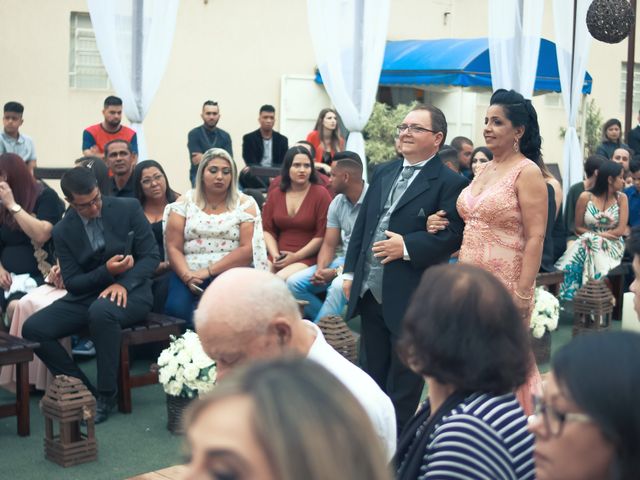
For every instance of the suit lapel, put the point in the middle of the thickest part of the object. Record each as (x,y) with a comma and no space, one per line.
(386,184)
(260,145)
(421,183)
(76,226)
(107,222)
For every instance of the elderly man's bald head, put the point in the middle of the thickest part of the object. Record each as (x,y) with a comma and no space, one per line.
(247,299)
(245,313)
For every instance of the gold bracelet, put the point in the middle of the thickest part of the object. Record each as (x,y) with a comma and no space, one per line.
(209,270)
(522,297)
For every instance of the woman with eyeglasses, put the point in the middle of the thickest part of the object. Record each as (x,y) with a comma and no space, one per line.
(28,211)
(505,208)
(463,334)
(212,229)
(151,187)
(587,423)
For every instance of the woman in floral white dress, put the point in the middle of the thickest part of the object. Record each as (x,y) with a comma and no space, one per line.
(601,219)
(215,228)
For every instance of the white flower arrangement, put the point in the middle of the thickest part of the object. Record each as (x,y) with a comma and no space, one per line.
(546,312)
(185,370)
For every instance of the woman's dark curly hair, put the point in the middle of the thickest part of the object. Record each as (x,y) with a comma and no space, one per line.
(462,328)
(521,113)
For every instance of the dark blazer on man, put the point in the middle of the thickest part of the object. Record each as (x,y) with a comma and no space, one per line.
(633,139)
(253,148)
(84,272)
(435,188)
(85,276)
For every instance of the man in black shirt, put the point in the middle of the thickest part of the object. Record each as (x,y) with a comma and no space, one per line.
(263,146)
(121,161)
(206,136)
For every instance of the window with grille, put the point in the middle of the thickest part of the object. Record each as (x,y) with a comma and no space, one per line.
(636,86)
(85,65)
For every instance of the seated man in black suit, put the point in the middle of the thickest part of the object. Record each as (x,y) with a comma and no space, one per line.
(264,147)
(108,287)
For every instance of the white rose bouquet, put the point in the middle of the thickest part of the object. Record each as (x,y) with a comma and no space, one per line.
(546,312)
(185,370)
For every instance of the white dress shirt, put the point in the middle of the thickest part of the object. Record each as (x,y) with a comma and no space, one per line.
(374,401)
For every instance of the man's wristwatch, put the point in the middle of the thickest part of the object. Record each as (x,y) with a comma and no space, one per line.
(15,209)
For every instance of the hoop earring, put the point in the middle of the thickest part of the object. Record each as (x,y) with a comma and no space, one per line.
(516,146)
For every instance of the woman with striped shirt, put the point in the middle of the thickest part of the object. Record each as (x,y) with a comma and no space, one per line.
(463,333)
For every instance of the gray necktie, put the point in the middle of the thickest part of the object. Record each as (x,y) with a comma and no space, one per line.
(403,183)
(96,237)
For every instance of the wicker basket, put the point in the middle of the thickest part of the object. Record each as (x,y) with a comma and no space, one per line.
(592,308)
(175,408)
(542,348)
(339,336)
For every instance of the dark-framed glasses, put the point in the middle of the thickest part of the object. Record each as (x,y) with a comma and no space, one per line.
(86,206)
(402,128)
(552,419)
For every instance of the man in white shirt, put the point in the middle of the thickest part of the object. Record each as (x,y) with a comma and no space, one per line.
(247,314)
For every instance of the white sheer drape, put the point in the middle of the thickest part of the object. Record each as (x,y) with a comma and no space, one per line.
(349,39)
(514,43)
(134,38)
(571,91)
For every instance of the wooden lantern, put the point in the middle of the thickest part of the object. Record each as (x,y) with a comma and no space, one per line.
(592,307)
(69,402)
(339,336)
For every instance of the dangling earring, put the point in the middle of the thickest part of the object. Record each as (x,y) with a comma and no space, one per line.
(516,146)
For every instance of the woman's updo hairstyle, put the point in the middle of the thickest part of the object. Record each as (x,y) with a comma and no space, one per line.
(521,113)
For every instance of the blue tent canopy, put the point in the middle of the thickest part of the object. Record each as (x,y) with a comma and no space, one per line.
(458,62)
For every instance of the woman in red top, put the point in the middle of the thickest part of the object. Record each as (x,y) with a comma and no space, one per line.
(326,137)
(295,215)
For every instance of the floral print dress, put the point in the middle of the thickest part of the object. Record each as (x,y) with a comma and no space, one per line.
(210,237)
(591,256)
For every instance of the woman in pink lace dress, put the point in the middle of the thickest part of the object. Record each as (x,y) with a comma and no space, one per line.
(505,209)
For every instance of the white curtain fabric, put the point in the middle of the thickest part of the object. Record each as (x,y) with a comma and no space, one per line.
(514,43)
(349,38)
(571,92)
(134,38)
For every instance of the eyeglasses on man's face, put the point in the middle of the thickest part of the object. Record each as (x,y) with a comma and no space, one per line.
(402,128)
(552,419)
(88,205)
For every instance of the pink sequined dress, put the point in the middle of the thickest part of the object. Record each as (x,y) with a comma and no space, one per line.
(493,239)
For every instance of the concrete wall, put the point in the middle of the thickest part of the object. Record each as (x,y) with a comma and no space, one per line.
(234,52)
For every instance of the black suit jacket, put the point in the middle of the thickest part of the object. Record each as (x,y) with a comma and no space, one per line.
(84,271)
(253,148)
(633,140)
(435,188)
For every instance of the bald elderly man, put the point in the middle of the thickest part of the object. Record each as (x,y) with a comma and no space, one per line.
(249,314)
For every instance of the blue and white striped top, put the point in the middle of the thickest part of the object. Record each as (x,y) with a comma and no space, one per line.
(484,437)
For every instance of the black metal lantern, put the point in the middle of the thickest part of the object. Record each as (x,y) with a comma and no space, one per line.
(610,20)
